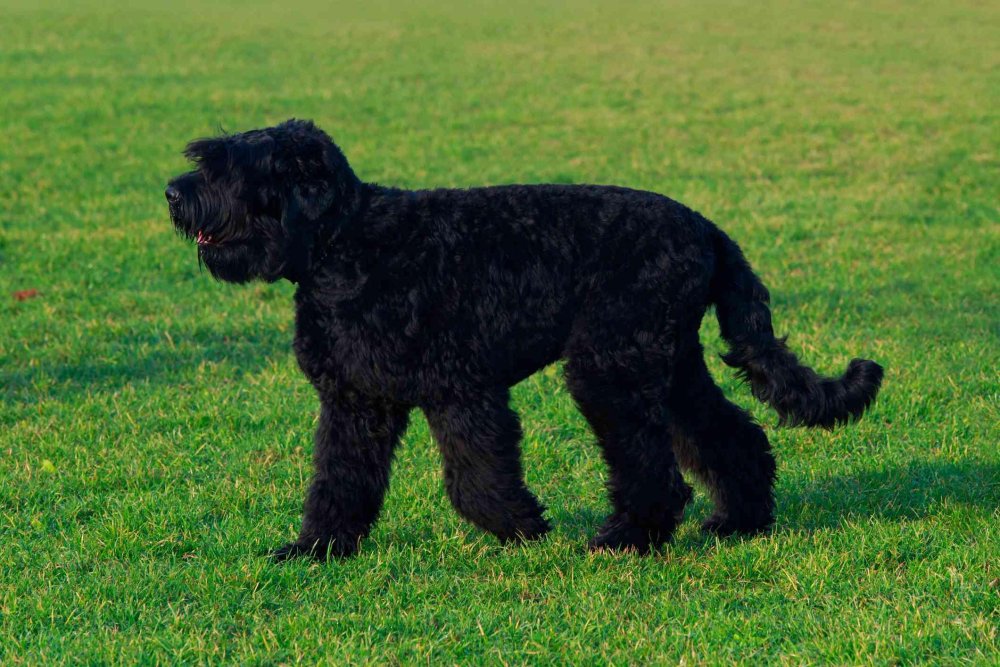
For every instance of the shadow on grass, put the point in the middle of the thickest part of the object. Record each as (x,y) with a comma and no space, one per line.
(144,361)
(903,493)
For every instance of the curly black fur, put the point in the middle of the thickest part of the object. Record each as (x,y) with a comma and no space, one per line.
(443,299)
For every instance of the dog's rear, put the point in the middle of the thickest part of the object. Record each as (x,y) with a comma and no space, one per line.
(796,392)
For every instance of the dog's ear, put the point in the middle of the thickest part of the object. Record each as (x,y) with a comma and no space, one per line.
(311,198)
(316,173)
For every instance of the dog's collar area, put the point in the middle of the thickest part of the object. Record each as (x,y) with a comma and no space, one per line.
(309,249)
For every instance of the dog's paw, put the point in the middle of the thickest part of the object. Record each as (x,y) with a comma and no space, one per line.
(619,534)
(725,526)
(319,550)
(287,552)
(525,530)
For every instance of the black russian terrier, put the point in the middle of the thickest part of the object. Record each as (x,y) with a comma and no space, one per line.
(444,299)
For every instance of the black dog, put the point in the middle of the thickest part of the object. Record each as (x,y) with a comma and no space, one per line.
(443,299)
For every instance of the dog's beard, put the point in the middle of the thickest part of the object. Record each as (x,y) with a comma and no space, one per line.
(244,256)
(235,262)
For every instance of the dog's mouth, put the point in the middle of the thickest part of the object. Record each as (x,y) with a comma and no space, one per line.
(201,237)
(204,239)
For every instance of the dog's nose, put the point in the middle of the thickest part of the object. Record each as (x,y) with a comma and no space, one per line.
(173,194)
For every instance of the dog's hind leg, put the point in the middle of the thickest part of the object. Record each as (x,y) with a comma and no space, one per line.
(479,438)
(355,441)
(627,410)
(721,445)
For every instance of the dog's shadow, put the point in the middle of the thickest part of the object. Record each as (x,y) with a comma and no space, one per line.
(145,361)
(893,493)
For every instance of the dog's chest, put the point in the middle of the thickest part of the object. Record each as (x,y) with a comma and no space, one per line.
(342,336)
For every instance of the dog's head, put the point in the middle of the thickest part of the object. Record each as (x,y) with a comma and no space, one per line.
(255,200)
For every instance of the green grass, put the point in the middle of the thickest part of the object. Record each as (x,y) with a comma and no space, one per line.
(155,431)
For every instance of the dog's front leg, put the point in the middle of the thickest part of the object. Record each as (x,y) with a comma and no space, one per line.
(353,453)
(480,443)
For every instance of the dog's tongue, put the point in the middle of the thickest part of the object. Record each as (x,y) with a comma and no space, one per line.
(201,238)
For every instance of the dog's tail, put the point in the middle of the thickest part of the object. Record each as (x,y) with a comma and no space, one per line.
(796,392)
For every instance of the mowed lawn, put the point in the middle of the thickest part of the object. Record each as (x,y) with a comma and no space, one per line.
(155,431)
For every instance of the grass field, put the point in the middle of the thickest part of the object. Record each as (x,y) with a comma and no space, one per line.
(155,430)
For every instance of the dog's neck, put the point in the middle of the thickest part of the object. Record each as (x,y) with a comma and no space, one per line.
(308,250)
